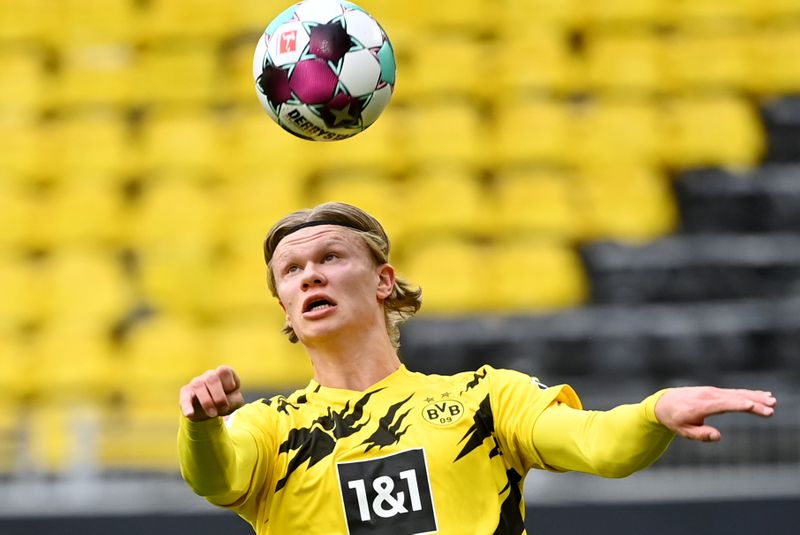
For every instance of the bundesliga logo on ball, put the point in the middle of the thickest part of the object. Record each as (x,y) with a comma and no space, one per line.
(324,70)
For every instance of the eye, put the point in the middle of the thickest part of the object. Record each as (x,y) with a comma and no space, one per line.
(291,268)
(330,257)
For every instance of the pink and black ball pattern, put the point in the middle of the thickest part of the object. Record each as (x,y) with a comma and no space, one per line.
(324,70)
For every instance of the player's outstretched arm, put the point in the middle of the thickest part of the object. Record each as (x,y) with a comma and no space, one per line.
(216,462)
(684,410)
(214,393)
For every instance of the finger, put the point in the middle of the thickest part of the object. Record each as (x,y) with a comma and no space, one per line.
(218,396)
(186,402)
(759,396)
(229,379)
(703,433)
(200,391)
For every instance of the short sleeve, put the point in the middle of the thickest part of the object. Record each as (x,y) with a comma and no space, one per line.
(517,402)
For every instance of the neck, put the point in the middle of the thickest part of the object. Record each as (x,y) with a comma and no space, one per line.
(354,366)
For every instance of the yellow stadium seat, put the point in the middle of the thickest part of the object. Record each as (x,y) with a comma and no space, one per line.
(87,285)
(250,206)
(372,191)
(137,437)
(452,273)
(256,146)
(239,283)
(177,279)
(625,13)
(444,67)
(445,199)
(774,10)
(261,354)
(702,60)
(708,13)
(31,21)
(174,212)
(17,366)
(238,83)
(81,212)
(17,209)
(72,362)
(184,140)
(160,355)
(537,60)
(528,201)
(623,62)
(543,13)
(66,142)
(535,275)
(455,15)
(624,202)
(97,22)
(197,20)
(713,130)
(97,76)
(533,131)
(26,85)
(23,296)
(21,146)
(775,67)
(450,132)
(618,130)
(11,438)
(177,73)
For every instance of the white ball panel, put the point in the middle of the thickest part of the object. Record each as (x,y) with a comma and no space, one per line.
(287,43)
(258,56)
(364,28)
(380,99)
(318,10)
(360,72)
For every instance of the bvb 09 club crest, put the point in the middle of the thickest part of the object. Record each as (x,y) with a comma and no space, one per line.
(443,412)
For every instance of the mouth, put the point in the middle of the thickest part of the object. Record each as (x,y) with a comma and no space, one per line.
(317,304)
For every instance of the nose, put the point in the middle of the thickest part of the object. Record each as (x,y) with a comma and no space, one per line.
(312,276)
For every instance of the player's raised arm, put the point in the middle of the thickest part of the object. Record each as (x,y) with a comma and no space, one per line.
(214,393)
(684,410)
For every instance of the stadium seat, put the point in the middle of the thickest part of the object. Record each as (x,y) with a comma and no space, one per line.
(188,140)
(545,13)
(444,67)
(92,278)
(10,439)
(92,77)
(33,21)
(774,10)
(237,82)
(449,132)
(452,273)
(25,65)
(775,67)
(713,131)
(17,208)
(709,13)
(535,274)
(160,354)
(66,140)
(445,199)
(200,20)
(260,353)
(97,22)
(623,62)
(72,362)
(531,132)
(21,288)
(702,60)
(239,283)
(177,74)
(21,138)
(17,366)
(625,13)
(176,278)
(626,203)
(619,130)
(534,201)
(532,61)
(138,437)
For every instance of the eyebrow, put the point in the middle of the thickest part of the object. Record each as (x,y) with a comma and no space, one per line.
(330,242)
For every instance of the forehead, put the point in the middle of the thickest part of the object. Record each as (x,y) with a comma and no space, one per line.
(310,238)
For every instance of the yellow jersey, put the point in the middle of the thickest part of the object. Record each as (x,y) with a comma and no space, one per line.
(412,454)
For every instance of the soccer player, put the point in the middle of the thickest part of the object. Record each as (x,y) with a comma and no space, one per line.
(370,447)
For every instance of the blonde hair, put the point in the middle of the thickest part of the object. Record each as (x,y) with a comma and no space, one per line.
(404,300)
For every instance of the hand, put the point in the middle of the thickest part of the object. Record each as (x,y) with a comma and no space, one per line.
(215,393)
(684,410)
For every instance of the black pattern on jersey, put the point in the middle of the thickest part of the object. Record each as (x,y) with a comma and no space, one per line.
(388,431)
(481,429)
(511,521)
(315,442)
(476,379)
(281,404)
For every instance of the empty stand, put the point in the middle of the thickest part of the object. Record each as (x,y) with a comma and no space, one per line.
(782,121)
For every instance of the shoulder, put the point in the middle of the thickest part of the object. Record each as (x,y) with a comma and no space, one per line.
(484,377)
(268,408)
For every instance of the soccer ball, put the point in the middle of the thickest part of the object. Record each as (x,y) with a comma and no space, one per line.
(324,69)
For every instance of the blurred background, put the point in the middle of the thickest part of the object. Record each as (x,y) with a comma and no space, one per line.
(605,194)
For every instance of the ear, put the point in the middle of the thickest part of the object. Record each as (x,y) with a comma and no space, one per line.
(386,280)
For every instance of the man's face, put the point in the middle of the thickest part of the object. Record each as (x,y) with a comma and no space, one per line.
(328,283)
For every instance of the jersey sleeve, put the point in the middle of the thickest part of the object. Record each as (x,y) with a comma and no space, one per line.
(518,400)
(612,443)
(227,461)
